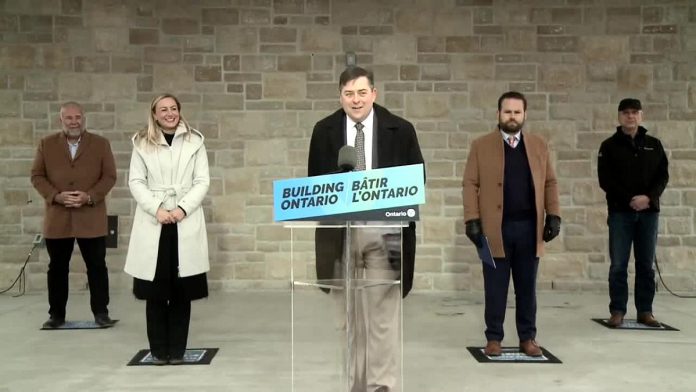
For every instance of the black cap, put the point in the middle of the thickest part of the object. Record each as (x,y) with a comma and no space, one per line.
(630,103)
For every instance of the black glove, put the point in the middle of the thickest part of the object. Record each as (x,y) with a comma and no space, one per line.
(474,232)
(552,227)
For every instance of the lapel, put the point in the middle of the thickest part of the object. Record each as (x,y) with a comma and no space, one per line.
(188,149)
(83,146)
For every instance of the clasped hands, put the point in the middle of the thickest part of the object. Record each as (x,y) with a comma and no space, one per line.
(71,199)
(640,202)
(166,217)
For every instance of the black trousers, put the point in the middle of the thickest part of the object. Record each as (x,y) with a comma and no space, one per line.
(94,254)
(519,241)
(168,326)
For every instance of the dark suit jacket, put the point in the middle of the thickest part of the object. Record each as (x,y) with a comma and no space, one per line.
(396,145)
(93,170)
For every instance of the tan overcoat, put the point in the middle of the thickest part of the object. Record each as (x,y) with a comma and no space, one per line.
(93,170)
(483,185)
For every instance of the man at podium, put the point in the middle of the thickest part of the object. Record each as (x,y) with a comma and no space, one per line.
(381,139)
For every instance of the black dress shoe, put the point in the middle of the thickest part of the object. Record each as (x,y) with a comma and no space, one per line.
(176,361)
(53,323)
(158,361)
(103,320)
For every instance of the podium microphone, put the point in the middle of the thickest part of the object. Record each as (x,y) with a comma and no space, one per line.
(346,159)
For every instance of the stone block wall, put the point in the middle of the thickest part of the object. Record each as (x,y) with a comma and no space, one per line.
(255,75)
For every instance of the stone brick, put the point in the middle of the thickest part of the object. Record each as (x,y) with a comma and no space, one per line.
(236,40)
(223,102)
(14,132)
(634,77)
(172,77)
(180,26)
(625,20)
(17,56)
(414,20)
(462,44)
(114,87)
(320,39)
(435,72)
(254,17)
(32,23)
(254,91)
(519,38)
(322,91)
(600,49)
(551,30)
(409,72)
(10,104)
(557,44)
(231,63)
(294,63)
(162,54)
(284,86)
(430,44)
(515,72)
(92,64)
(560,77)
(566,15)
(207,73)
(126,64)
(288,6)
(448,22)
(265,152)
(660,29)
(426,106)
(143,36)
(71,6)
(220,16)
(278,34)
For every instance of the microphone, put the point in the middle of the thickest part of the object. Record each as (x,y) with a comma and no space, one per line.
(346,159)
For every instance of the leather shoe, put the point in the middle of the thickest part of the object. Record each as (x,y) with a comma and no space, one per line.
(530,348)
(53,323)
(616,319)
(103,320)
(493,348)
(176,361)
(158,361)
(648,319)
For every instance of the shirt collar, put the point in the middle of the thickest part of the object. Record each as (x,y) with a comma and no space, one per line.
(506,136)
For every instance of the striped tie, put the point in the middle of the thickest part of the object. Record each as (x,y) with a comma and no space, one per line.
(359,147)
(512,141)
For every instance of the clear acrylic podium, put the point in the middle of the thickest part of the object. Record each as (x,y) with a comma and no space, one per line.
(346,306)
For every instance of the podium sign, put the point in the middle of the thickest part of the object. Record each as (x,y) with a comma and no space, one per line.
(380,194)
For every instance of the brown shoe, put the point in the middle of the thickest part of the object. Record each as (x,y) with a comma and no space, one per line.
(530,348)
(616,319)
(648,319)
(493,348)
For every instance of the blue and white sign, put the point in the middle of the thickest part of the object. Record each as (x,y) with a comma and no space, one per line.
(341,195)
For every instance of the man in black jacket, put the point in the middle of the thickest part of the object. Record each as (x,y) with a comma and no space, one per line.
(381,139)
(632,169)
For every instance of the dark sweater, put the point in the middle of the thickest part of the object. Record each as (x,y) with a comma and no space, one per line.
(518,189)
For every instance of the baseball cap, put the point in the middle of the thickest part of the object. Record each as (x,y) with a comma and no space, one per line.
(630,103)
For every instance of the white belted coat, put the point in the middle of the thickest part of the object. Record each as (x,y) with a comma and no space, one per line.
(168,176)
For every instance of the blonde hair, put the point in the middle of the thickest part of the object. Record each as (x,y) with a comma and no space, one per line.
(151,134)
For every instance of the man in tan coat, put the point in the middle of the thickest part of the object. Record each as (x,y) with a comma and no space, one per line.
(74,170)
(511,198)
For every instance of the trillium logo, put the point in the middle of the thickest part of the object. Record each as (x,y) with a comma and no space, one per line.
(411,212)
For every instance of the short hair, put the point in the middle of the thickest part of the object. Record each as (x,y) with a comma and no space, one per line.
(71,104)
(512,95)
(354,72)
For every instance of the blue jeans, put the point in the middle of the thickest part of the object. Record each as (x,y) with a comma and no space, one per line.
(640,230)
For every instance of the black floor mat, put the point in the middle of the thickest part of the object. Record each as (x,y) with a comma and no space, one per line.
(193,356)
(80,325)
(513,355)
(633,324)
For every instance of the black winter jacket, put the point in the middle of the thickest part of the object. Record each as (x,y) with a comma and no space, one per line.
(629,167)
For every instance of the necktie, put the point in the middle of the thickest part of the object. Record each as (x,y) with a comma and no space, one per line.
(512,141)
(359,147)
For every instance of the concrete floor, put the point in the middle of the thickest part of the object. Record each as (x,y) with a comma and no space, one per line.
(252,330)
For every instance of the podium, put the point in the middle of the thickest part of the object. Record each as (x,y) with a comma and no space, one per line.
(351,244)
(346,303)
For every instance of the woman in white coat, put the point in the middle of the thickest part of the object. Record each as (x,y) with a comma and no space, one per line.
(168,250)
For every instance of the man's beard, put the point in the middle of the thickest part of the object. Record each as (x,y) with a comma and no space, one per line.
(510,127)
